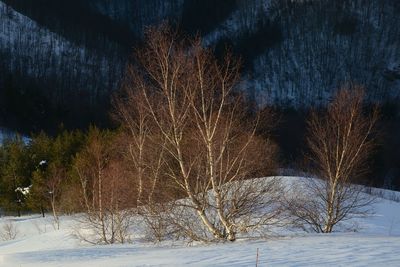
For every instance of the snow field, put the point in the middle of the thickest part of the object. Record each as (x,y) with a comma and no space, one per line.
(376,243)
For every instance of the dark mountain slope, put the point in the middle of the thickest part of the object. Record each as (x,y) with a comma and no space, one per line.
(295,53)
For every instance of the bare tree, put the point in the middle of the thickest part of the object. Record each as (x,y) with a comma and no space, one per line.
(53,186)
(9,231)
(340,142)
(141,147)
(206,138)
(143,153)
(105,192)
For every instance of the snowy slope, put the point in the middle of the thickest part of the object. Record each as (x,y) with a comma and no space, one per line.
(377,243)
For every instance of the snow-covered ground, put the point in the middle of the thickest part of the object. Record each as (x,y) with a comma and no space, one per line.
(376,243)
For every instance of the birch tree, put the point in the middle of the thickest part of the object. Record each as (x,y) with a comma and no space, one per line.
(209,141)
(340,142)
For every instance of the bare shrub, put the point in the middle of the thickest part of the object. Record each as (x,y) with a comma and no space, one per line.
(9,231)
(156,219)
(40,227)
(340,142)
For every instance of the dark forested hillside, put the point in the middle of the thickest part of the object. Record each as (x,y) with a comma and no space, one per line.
(76,21)
(326,43)
(61,60)
(72,54)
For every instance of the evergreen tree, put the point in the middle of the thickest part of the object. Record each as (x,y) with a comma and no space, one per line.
(15,174)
